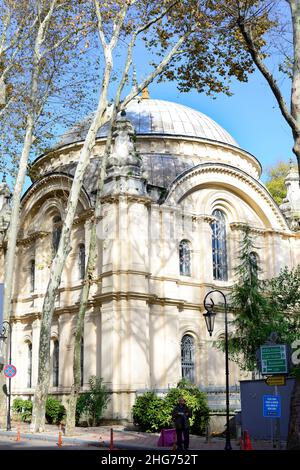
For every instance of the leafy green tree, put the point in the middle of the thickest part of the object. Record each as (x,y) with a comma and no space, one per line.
(270,30)
(275,182)
(254,319)
(262,307)
(93,403)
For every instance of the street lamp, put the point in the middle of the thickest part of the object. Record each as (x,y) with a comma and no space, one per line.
(6,330)
(209,317)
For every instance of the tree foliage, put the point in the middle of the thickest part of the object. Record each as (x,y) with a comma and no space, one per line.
(275,182)
(153,413)
(270,32)
(261,307)
(91,404)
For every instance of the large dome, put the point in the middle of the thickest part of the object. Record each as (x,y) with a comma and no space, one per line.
(159,117)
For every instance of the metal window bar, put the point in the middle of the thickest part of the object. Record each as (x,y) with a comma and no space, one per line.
(184,258)
(188,358)
(219,247)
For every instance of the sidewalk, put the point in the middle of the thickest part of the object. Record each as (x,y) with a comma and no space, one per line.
(123,439)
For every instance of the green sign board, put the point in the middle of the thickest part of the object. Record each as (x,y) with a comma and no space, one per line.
(274,359)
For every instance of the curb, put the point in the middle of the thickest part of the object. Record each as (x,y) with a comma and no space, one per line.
(75,440)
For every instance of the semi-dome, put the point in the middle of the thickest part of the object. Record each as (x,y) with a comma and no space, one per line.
(160,117)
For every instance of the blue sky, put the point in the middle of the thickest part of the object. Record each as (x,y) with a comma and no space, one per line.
(251,116)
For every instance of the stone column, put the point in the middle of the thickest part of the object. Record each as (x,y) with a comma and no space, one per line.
(65,350)
(36,325)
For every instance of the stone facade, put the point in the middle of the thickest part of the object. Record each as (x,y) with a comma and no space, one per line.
(161,188)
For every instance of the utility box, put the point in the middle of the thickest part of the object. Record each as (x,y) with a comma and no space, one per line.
(252,408)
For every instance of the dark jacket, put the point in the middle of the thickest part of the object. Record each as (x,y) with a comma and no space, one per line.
(181,415)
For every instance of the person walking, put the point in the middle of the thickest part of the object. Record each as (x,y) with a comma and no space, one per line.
(181,415)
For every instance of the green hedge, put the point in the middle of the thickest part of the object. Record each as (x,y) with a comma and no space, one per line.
(55,411)
(23,408)
(152,413)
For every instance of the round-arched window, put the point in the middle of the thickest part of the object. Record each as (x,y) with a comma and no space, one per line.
(219,246)
(185,258)
(188,358)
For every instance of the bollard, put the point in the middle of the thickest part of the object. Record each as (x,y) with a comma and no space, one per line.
(111,444)
(18,434)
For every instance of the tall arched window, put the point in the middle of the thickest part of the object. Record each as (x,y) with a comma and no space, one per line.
(32,275)
(188,358)
(81,261)
(55,366)
(29,365)
(56,232)
(81,361)
(185,258)
(219,248)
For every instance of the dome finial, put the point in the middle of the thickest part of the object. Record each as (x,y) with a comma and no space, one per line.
(145,94)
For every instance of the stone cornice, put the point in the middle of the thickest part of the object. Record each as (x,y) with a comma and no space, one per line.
(27,241)
(83,216)
(259,230)
(117,198)
(32,238)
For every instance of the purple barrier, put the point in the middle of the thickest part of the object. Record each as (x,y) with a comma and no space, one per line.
(167,438)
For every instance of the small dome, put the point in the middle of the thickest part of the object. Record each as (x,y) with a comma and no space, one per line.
(159,117)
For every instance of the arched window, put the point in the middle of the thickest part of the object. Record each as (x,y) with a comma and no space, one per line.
(32,275)
(29,365)
(185,258)
(81,261)
(219,248)
(56,232)
(188,358)
(81,361)
(55,363)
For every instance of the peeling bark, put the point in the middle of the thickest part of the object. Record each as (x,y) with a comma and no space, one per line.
(38,412)
(12,232)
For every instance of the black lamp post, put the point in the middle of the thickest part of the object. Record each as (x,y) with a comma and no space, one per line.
(209,317)
(6,330)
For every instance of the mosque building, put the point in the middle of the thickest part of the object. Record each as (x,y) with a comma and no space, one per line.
(178,191)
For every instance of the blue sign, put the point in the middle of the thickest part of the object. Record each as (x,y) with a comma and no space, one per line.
(271,406)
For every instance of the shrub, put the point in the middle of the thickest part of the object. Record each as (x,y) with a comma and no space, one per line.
(24,408)
(195,400)
(93,403)
(18,405)
(55,411)
(149,412)
(152,413)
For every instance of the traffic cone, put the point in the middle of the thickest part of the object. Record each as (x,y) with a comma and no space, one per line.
(18,434)
(59,443)
(247,442)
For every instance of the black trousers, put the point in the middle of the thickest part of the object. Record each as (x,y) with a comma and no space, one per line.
(186,438)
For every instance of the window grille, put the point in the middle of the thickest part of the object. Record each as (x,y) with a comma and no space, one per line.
(185,258)
(188,358)
(219,247)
